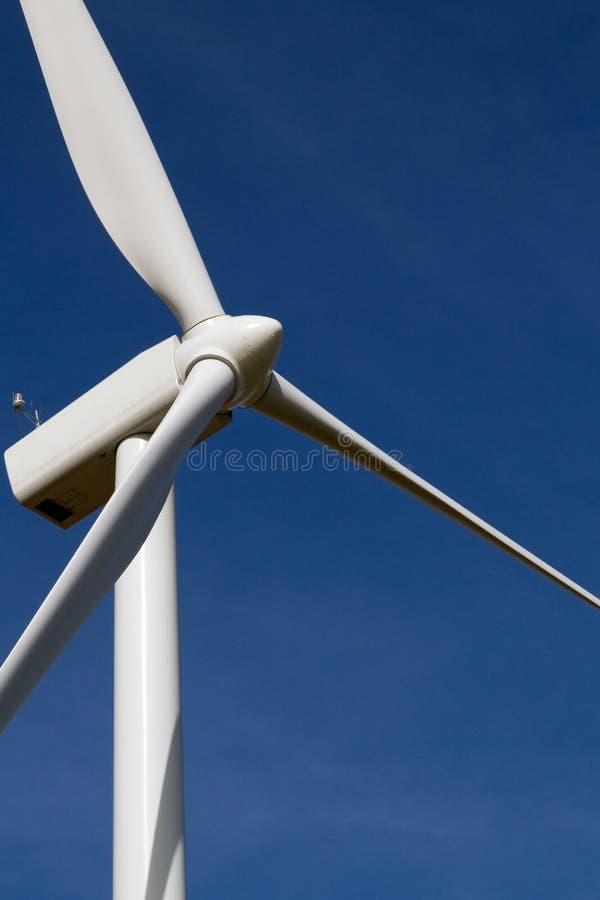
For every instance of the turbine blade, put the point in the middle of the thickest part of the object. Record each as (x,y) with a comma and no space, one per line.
(115,159)
(115,537)
(288,405)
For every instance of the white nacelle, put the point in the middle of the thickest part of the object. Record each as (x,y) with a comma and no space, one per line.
(65,469)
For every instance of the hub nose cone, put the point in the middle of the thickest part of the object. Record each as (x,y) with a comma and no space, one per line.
(261,339)
(263,335)
(248,344)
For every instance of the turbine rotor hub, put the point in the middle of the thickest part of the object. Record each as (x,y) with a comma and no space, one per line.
(249,345)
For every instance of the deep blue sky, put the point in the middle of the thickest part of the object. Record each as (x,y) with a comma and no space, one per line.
(376,704)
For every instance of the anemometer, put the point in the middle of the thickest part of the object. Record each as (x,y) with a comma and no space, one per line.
(20,407)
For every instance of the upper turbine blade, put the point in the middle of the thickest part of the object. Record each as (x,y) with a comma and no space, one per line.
(288,405)
(115,537)
(116,160)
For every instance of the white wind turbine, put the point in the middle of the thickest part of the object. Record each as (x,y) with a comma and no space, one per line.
(133,429)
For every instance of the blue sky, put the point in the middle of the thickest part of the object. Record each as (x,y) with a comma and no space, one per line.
(376,704)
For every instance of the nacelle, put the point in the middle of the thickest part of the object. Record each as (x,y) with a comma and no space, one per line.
(65,469)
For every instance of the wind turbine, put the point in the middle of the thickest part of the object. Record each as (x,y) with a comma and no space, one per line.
(179,391)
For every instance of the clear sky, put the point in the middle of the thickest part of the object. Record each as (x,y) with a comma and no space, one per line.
(376,704)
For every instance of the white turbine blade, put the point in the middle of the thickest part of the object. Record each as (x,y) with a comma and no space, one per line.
(116,160)
(288,405)
(115,537)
